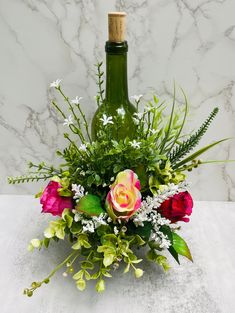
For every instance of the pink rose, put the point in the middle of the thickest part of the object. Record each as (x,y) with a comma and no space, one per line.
(124,197)
(177,207)
(52,202)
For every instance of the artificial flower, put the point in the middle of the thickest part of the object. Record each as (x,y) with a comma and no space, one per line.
(135,144)
(68,121)
(121,112)
(52,202)
(124,197)
(76,100)
(137,97)
(56,83)
(106,119)
(83,147)
(177,207)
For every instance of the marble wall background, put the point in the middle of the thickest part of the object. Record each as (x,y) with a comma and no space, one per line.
(191,41)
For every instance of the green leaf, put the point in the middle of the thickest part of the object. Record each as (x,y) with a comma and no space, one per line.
(90,205)
(81,284)
(64,192)
(127,268)
(108,259)
(174,254)
(181,247)
(139,240)
(162,261)
(38,195)
(87,265)
(100,286)
(30,247)
(75,228)
(46,242)
(78,275)
(49,232)
(199,152)
(66,216)
(95,275)
(60,233)
(106,274)
(143,231)
(36,243)
(167,231)
(76,246)
(82,241)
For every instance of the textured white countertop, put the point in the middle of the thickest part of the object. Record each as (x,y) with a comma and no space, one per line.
(207,285)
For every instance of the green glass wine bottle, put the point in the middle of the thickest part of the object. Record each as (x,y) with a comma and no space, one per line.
(116,102)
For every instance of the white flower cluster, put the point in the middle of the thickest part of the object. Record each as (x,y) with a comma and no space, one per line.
(90,225)
(79,191)
(148,213)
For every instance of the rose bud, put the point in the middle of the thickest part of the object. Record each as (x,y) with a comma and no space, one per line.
(177,207)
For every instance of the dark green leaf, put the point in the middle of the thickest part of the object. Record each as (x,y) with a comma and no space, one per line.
(174,254)
(180,246)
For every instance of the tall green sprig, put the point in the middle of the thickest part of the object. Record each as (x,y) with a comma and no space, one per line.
(186,146)
(100,82)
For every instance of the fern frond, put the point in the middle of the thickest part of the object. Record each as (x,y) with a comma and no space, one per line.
(186,146)
(27,178)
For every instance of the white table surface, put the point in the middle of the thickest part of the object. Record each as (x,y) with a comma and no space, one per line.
(207,285)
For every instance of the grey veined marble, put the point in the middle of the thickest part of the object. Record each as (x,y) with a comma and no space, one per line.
(192,42)
(205,286)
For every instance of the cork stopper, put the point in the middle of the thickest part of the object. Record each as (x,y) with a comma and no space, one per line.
(117,26)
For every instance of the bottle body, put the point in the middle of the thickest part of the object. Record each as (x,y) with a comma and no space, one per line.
(116,103)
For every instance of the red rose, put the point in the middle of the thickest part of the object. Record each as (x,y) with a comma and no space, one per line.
(177,207)
(52,202)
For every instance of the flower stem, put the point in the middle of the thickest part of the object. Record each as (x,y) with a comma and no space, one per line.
(29,291)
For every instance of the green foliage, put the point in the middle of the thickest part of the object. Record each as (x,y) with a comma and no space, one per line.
(158,156)
(196,154)
(82,241)
(90,205)
(181,247)
(161,260)
(186,146)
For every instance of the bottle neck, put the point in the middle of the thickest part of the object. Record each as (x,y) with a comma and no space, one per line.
(116,73)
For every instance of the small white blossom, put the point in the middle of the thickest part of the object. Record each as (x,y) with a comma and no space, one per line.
(104,185)
(112,179)
(56,83)
(78,191)
(137,97)
(138,115)
(82,173)
(88,226)
(68,121)
(109,220)
(76,100)
(135,144)
(115,229)
(65,274)
(83,147)
(136,121)
(106,119)
(77,217)
(121,112)
(99,220)
(153,131)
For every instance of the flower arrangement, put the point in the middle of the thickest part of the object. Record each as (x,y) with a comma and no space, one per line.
(112,196)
